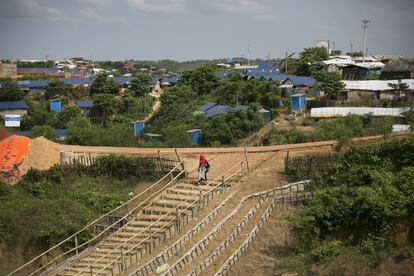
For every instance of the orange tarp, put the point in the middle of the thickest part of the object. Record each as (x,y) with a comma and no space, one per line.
(13,149)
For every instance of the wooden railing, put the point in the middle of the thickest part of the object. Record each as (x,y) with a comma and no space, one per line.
(124,212)
(217,183)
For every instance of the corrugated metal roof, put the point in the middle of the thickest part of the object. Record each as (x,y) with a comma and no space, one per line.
(78,81)
(38,70)
(206,106)
(241,107)
(218,109)
(329,112)
(84,104)
(170,80)
(301,81)
(13,105)
(376,85)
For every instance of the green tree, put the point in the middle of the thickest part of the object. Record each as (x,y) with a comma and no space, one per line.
(330,82)
(355,54)
(101,85)
(67,115)
(202,80)
(308,59)
(45,131)
(105,106)
(176,135)
(398,89)
(140,85)
(61,90)
(9,91)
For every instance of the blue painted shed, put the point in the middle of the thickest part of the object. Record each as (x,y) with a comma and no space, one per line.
(138,127)
(55,105)
(195,136)
(298,103)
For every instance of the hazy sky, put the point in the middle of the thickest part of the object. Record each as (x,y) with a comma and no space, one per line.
(192,29)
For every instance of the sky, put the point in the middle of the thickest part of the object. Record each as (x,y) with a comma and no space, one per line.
(199,29)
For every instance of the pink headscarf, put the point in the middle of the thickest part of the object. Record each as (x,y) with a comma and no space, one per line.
(203,160)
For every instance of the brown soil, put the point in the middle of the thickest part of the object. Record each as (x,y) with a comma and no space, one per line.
(42,155)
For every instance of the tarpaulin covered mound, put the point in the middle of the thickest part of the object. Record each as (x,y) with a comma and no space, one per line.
(42,155)
(13,150)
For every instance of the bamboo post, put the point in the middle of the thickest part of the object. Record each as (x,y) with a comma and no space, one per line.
(247,160)
(76,245)
(179,159)
(287,162)
(159,160)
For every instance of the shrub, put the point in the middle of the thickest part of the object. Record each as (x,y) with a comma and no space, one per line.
(326,250)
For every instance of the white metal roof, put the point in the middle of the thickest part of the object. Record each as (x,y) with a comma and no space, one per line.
(370,65)
(376,85)
(329,112)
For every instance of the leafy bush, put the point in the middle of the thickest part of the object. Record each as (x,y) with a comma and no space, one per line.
(326,250)
(368,190)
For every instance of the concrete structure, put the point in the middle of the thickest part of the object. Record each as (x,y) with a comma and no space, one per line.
(85,106)
(13,108)
(266,115)
(8,70)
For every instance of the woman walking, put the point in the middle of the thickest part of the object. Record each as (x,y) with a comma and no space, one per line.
(203,167)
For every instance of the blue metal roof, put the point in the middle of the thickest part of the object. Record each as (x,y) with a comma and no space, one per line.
(206,106)
(218,109)
(78,81)
(241,107)
(154,80)
(84,104)
(38,70)
(298,81)
(23,133)
(33,83)
(61,133)
(13,105)
(170,80)
(222,74)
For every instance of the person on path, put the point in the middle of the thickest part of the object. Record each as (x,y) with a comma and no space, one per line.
(203,167)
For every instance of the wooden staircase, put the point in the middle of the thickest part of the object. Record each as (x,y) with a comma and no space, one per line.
(155,223)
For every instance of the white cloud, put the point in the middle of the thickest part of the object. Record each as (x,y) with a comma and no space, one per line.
(239,6)
(157,5)
(94,2)
(90,13)
(32,8)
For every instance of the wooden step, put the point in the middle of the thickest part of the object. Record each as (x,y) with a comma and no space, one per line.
(156,217)
(173,203)
(183,191)
(186,198)
(153,224)
(165,210)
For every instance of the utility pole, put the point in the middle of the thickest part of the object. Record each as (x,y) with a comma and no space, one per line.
(286,62)
(365,23)
(248,54)
(46,65)
(352,47)
(268,59)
